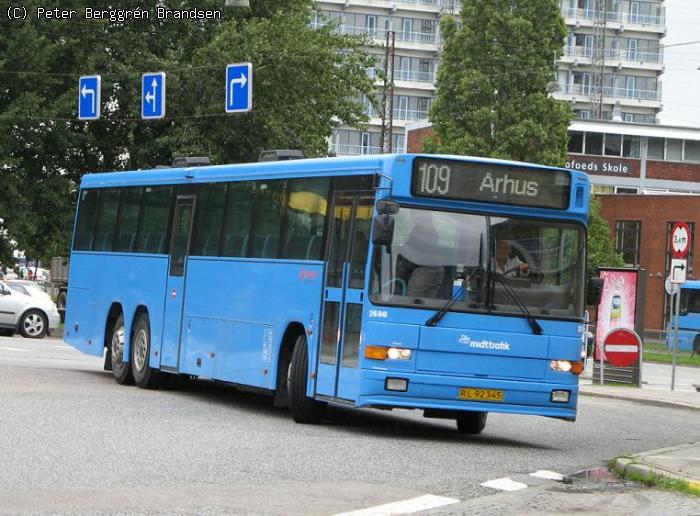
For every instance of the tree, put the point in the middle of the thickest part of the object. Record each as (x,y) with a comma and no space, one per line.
(492,95)
(303,84)
(601,251)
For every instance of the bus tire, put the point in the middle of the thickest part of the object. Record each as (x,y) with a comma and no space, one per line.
(303,408)
(120,370)
(144,375)
(471,423)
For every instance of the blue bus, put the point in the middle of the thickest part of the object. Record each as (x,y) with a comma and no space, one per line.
(450,284)
(688,319)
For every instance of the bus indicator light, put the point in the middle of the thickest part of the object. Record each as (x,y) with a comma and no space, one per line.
(174,293)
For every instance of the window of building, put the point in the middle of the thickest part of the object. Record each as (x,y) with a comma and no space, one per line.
(674,150)
(627,190)
(613,144)
(655,149)
(594,143)
(627,234)
(602,189)
(575,142)
(630,146)
(692,151)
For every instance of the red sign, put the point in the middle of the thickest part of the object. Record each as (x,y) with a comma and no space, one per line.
(622,347)
(680,240)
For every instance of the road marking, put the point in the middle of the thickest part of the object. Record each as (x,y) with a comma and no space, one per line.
(64,347)
(13,349)
(504,484)
(420,503)
(548,475)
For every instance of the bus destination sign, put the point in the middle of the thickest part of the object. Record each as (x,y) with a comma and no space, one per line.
(488,182)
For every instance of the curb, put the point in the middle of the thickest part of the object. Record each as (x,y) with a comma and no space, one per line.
(625,467)
(643,401)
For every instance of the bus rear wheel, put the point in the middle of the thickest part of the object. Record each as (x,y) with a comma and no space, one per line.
(144,375)
(120,370)
(471,423)
(303,408)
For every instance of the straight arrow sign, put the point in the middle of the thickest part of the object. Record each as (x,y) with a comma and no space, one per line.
(153,95)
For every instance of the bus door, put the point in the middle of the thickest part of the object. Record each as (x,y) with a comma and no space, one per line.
(175,288)
(343,295)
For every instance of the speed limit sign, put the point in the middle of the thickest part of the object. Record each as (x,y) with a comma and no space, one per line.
(680,240)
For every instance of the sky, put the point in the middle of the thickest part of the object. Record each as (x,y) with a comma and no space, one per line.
(681,77)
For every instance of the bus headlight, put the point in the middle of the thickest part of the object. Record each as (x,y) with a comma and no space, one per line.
(566,366)
(383,353)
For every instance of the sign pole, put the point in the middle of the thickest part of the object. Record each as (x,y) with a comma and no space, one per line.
(675,339)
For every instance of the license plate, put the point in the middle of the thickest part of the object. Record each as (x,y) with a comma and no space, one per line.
(467,393)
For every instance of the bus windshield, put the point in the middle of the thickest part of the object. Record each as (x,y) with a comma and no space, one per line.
(435,255)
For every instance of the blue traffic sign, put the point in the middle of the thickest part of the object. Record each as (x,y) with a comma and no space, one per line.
(89,97)
(153,95)
(239,88)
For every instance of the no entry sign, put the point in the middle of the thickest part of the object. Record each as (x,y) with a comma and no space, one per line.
(622,347)
(680,240)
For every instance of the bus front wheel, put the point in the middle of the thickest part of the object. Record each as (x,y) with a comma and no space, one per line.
(303,408)
(120,370)
(144,376)
(471,422)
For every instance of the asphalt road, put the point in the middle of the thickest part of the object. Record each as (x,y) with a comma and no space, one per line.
(72,440)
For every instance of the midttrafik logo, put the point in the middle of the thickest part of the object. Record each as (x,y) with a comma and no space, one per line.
(484,344)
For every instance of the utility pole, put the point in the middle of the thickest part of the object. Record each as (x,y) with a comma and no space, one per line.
(387,135)
(598,59)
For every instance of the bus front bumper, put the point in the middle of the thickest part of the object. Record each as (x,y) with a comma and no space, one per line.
(442,392)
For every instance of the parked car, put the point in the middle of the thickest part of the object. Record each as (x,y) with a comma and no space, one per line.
(29,288)
(32,316)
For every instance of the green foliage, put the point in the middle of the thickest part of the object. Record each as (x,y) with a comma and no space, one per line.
(492,83)
(601,249)
(303,84)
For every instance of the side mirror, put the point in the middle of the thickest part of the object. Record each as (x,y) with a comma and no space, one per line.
(594,292)
(386,207)
(5,292)
(382,229)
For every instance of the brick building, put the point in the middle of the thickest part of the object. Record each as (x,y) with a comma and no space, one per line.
(647,177)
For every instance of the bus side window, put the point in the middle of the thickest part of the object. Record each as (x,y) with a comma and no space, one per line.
(87,213)
(210,216)
(128,220)
(152,233)
(269,209)
(306,217)
(238,217)
(106,220)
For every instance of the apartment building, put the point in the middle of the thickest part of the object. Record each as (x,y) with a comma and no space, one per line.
(632,60)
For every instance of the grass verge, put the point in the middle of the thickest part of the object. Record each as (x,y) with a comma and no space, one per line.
(659,353)
(654,479)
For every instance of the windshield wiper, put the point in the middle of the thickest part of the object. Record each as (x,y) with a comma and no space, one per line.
(536,328)
(437,317)
(446,307)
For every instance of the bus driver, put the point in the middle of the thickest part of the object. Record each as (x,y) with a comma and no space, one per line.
(507,262)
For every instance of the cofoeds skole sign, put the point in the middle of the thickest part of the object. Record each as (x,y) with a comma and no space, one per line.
(605,166)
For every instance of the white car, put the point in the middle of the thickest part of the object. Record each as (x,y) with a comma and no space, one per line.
(31,316)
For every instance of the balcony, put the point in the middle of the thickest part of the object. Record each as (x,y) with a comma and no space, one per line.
(379,35)
(617,18)
(653,60)
(613,92)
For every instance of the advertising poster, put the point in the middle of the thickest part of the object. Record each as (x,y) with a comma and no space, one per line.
(618,306)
